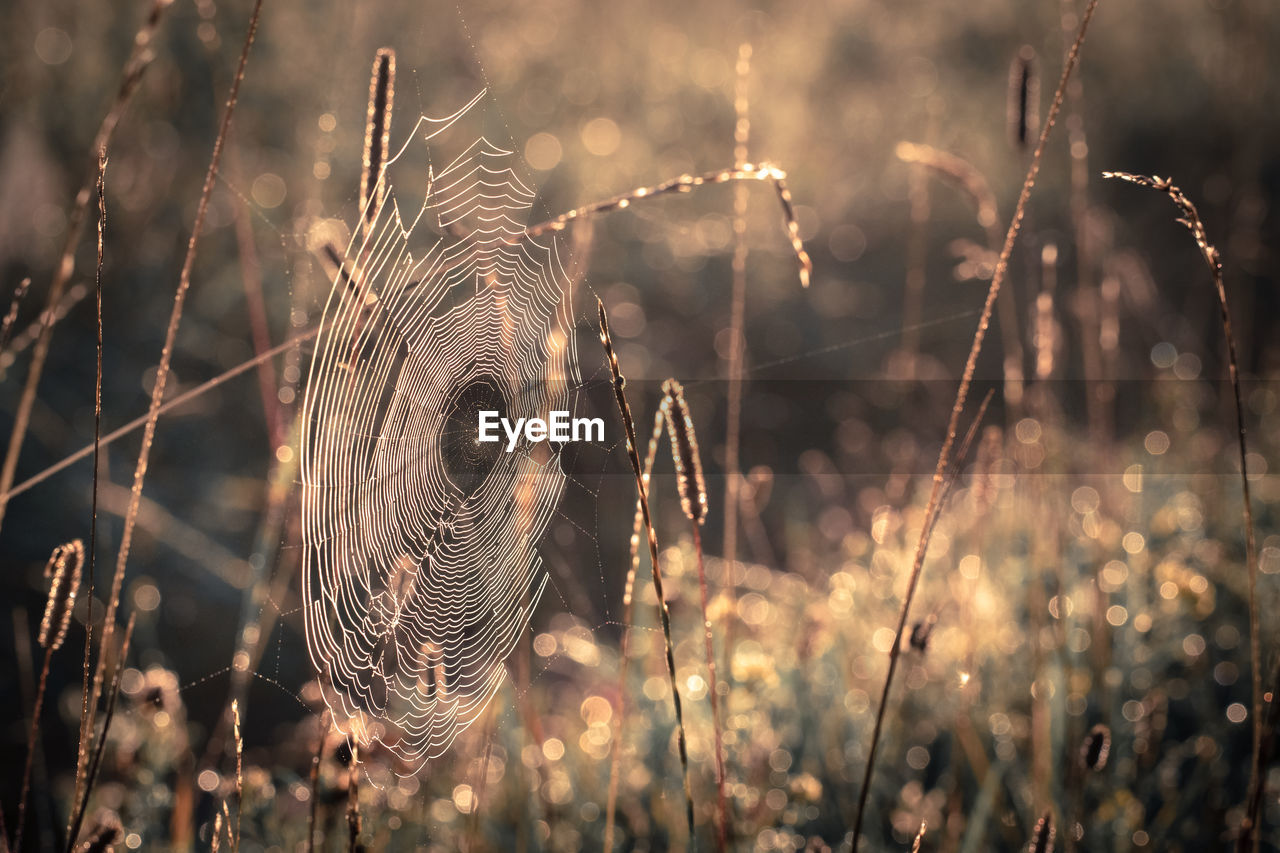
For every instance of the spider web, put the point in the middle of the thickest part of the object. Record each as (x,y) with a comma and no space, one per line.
(421,568)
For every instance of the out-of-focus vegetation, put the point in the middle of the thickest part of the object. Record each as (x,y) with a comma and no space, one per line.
(1089,565)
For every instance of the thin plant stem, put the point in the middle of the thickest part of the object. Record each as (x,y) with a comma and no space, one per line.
(737,339)
(693,500)
(314,781)
(32,736)
(1213,260)
(628,599)
(685,183)
(91,772)
(663,611)
(166,356)
(235,714)
(722,805)
(168,406)
(353,802)
(944,455)
(83,746)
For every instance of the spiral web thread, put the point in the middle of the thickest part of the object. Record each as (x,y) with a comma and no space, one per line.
(420,567)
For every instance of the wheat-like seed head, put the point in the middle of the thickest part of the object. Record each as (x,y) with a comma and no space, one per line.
(377,134)
(684,449)
(63,569)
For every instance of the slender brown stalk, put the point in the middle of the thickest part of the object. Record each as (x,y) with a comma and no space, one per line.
(354,824)
(315,781)
(137,64)
(944,456)
(91,773)
(11,317)
(83,743)
(477,792)
(235,716)
(693,500)
(737,337)
(1258,793)
(168,406)
(166,356)
(685,183)
(1191,219)
(628,598)
(665,614)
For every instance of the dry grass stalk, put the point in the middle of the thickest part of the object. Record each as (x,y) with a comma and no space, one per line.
(354,822)
(314,781)
(664,613)
(235,716)
(81,804)
(83,742)
(628,597)
(166,356)
(169,405)
(915,845)
(685,183)
(11,317)
(693,500)
(737,335)
(1268,746)
(63,572)
(216,843)
(931,520)
(136,65)
(944,455)
(478,789)
(377,136)
(1213,260)
(684,449)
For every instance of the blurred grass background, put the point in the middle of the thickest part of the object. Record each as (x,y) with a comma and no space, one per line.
(601,98)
